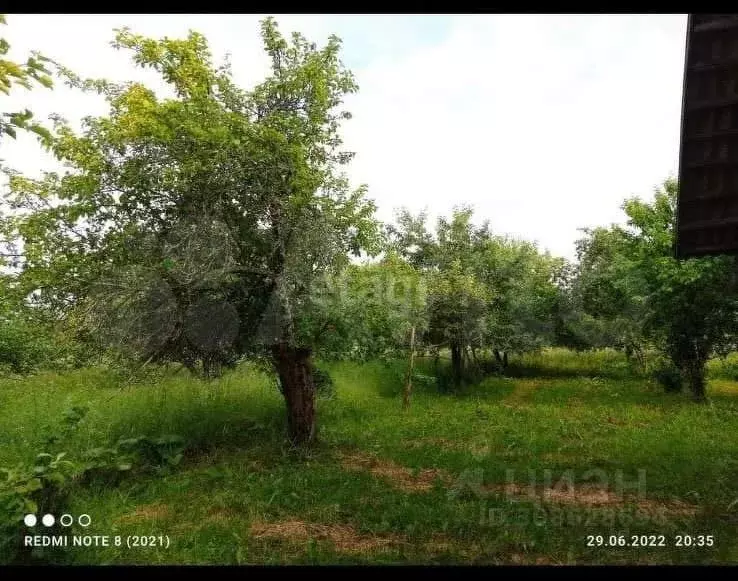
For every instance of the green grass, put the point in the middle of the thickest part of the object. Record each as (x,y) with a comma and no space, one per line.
(558,362)
(242,496)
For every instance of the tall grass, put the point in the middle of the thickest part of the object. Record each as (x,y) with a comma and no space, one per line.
(559,362)
(225,411)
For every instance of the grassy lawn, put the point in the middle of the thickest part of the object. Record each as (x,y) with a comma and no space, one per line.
(518,470)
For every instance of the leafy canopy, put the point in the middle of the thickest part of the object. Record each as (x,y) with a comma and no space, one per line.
(154,187)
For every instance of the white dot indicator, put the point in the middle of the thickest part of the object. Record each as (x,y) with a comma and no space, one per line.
(30,520)
(48,520)
(84,520)
(66,520)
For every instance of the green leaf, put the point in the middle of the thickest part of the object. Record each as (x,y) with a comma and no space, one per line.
(30,506)
(44,458)
(32,485)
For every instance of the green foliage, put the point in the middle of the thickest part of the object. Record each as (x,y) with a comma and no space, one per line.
(324,385)
(44,486)
(23,75)
(691,306)
(483,291)
(276,212)
(21,349)
(27,341)
(111,464)
(367,311)
(525,296)
(606,295)
(27,346)
(629,279)
(36,489)
(724,367)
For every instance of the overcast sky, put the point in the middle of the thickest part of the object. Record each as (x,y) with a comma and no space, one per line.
(543,123)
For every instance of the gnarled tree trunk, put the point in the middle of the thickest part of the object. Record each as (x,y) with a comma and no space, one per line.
(295,371)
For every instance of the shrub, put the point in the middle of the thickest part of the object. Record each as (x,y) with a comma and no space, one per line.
(111,464)
(724,367)
(22,348)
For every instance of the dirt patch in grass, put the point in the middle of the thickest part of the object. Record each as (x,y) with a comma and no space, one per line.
(442,443)
(219,515)
(399,476)
(343,537)
(587,495)
(147,512)
(591,495)
(522,392)
(477,449)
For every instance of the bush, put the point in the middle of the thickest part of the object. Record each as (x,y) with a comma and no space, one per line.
(27,345)
(724,367)
(21,347)
(142,453)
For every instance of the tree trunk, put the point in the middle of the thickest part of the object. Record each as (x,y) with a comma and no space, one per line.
(497,356)
(295,370)
(190,363)
(501,358)
(696,378)
(409,380)
(211,366)
(456,363)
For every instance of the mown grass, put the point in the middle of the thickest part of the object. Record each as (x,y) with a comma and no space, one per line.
(387,485)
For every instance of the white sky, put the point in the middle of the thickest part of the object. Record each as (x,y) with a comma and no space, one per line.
(543,123)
